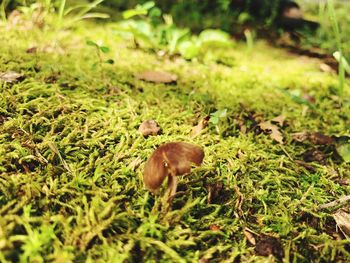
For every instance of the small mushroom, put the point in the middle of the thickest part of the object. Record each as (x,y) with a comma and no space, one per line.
(170,160)
(149,127)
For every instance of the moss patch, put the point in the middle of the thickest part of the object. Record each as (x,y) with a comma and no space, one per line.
(71,157)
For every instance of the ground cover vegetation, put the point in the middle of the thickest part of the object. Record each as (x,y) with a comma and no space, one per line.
(74,97)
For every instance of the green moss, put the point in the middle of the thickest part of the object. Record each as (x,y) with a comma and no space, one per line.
(71,158)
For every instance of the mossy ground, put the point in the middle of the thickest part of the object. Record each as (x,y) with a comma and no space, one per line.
(71,158)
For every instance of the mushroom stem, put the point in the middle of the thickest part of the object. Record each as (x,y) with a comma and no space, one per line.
(172,186)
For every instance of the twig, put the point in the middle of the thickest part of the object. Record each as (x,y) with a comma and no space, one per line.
(342,199)
(288,155)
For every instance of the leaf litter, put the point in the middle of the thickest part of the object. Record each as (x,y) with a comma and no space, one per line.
(202,124)
(11,76)
(342,219)
(157,77)
(273,130)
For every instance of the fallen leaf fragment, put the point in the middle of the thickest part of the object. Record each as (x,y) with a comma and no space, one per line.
(326,68)
(342,218)
(53,49)
(339,201)
(249,236)
(215,192)
(314,155)
(203,260)
(318,138)
(2,119)
(214,228)
(149,127)
(305,165)
(275,134)
(279,120)
(300,136)
(240,154)
(157,77)
(135,163)
(309,98)
(343,182)
(22,21)
(32,50)
(11,76)
(202,124)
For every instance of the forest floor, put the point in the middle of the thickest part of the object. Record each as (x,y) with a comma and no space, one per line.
(72,158)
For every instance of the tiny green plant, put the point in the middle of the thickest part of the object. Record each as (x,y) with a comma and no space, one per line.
(139,10)
(249,36)
(156,31)
(100,50)
(216,118)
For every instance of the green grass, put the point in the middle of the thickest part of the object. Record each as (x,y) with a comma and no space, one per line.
(334,25)
(71,158)
(338,40)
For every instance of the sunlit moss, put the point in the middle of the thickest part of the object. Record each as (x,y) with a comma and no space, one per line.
(71,158)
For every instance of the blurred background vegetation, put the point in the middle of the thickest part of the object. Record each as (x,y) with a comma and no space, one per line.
(223,14)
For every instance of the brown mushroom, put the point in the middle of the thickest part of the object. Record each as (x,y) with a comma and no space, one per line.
(170,160)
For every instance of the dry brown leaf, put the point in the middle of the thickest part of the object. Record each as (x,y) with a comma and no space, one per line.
(315,138)
(279,119)
(202,124)
(315,155)
(277,136)
(52,49)
(320,139)
(215,228)
(157,77)
(215,192)
(32,50)
(240,154)
(309,98)
(249,236)
(149,127)
(326,68)
(3,118)
(267,126)
(342,218)
(10,76)
(300,136)
(135,163)
(22,21)
(305,165)
(273,129)
(293,13)
(203,260)
(343,182)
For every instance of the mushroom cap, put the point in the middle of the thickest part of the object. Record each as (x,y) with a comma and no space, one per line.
(174,158)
